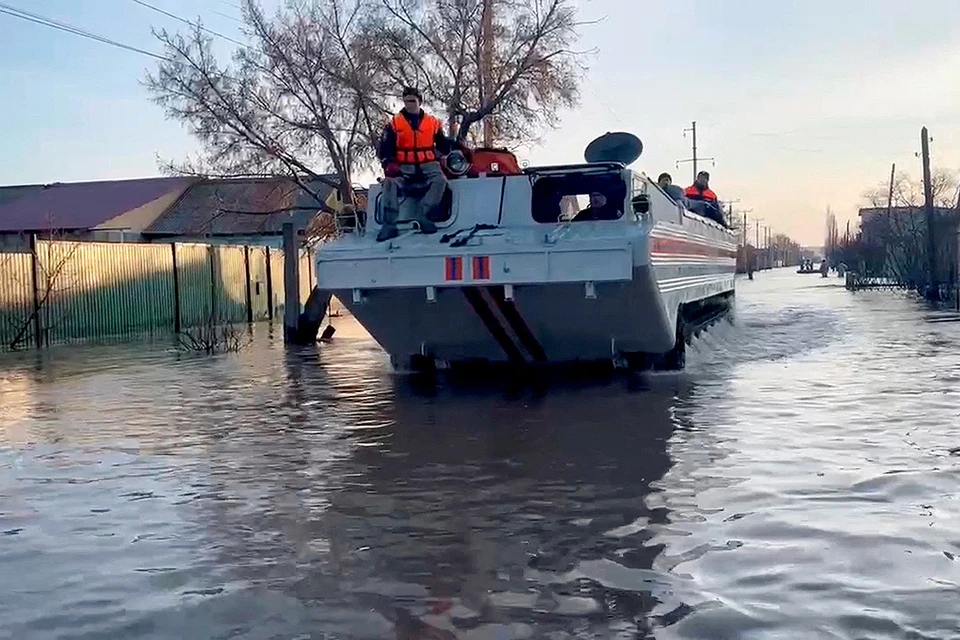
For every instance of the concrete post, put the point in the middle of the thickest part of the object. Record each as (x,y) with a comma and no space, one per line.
(270,304)
(933,284)
(850,283)
(291,283)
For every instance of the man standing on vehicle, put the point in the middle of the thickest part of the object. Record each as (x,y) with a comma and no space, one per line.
(409,152)
(700,191)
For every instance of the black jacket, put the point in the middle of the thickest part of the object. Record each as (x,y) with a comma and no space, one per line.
(606,212)
(388,143)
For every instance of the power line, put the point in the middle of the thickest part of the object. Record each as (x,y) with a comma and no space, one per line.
(228,17)
(185,21)
(67,28)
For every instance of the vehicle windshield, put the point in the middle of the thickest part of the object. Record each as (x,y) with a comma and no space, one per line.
(578,196)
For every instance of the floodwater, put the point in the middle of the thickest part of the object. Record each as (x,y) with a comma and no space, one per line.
(799,480)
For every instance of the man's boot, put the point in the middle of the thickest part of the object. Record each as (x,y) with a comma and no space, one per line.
(387,232)
(427,226)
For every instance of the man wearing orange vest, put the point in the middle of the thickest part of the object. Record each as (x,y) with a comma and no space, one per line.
(410,152)
(700,191)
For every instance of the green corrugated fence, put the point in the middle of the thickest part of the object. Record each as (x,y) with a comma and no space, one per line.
(16,299)
(73,291)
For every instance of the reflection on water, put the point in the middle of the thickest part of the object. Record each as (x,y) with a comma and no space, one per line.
(797,481)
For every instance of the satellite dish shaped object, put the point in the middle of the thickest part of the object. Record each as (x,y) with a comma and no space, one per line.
(616,146)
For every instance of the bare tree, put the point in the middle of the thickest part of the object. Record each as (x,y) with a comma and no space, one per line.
(54,279)
(57,278)
(902,235)
(311,89)
(908,192)
(14,304)
(298,100)
(784,248)
(517,68)
(832,241)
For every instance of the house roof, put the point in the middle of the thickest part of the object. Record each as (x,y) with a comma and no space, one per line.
(874,211)
(80,205)
(238,207)
(8,194)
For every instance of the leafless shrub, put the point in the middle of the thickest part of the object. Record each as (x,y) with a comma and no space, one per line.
(212,338)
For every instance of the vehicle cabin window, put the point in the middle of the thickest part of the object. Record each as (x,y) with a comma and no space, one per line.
(568,197)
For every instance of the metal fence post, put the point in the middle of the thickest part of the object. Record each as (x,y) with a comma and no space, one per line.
(269,287)
(35,263)
(246,269)
(211,253)
(176,289)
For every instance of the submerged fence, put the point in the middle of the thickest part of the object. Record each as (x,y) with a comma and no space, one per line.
(72,291)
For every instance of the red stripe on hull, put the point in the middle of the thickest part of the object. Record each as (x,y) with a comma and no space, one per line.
(677,247)
(481,268)
(454,269)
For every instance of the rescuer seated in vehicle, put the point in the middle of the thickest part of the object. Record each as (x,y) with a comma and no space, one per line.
(599,209)
(409,152)
(665,182)
(702,199)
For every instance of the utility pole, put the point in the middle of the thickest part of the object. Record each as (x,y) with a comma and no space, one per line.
(933,287)
(893,172)
(757,245)
(729,204)
(748,255)
(487,73)
(695,159)
(769,250)
(693,128)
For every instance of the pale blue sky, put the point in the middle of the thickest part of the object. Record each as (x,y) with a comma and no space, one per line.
(803,103)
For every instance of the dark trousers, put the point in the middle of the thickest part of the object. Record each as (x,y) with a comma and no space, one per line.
(429,173)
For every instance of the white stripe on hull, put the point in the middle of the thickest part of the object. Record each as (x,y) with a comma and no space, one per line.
(675,284)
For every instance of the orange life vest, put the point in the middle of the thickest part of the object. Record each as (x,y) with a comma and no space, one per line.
(416,146)
(693,192)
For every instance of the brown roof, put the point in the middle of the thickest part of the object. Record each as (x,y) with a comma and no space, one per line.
(238,207)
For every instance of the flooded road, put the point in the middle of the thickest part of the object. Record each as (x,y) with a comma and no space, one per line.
(799,480)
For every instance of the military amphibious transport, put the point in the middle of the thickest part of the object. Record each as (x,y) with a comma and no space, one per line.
(515,276)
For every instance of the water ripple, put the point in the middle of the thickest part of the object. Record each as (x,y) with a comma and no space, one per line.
(797,481)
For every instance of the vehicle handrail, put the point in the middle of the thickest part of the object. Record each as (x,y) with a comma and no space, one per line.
(566,168)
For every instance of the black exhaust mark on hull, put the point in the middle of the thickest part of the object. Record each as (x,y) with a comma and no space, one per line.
(517,323)
(473,296)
